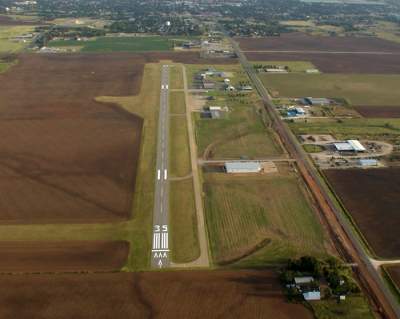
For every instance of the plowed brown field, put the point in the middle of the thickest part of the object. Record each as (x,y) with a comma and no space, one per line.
(195,294)
(372,198)
(62,256)
(63,156)
(379,111)
(394,272)
(303,42)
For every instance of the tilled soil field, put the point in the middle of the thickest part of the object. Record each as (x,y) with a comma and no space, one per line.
(394,272)
(63,156)
(372,198)
(73,256)
(303,42)
(379,111)
(195,294)
(338,63)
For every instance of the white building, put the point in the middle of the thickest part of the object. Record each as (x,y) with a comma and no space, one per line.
(242,167)
(312,295)
(349,146)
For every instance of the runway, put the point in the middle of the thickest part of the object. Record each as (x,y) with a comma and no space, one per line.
(160,247)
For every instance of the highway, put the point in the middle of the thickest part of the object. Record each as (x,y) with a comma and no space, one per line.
(346,240)
(160,248)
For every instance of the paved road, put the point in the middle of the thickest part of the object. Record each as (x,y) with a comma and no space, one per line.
(160,248)
(344,232)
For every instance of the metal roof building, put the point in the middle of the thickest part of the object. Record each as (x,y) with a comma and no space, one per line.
(242,167)
(316,101)
(349,146)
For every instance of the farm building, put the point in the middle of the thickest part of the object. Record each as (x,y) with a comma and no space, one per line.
(303,280)
(368,162)
(246,88)
(230,88)
(275,70)
(316,101)
(227,81)
(242,167)
(297,111)
(212,112)
(349,146)
(312,71)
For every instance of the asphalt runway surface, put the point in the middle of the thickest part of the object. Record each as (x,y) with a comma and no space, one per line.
(160,248)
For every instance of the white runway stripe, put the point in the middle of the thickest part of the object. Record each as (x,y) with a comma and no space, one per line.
(164,241)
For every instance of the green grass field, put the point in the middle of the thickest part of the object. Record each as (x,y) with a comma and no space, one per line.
(176,77)
(240,133)
(177,103)
(183,222)
(121,44)
(354,307)
(358,89)
(310,148)
(7,33)
(381,129)
(137,230)
(266,218)
(179,147)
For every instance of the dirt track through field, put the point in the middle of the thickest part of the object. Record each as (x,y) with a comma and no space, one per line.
(194,294)
(73,256)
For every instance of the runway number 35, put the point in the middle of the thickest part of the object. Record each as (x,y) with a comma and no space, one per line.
(158,228)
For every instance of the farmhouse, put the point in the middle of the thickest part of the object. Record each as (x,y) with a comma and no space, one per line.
(242,167)
(349,146)
(316,101)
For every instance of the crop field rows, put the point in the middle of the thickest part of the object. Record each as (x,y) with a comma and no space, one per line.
(258,220)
